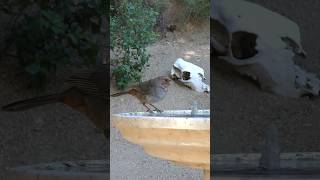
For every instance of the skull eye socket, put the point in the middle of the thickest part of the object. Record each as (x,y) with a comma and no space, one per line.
(243,45)
(186,75)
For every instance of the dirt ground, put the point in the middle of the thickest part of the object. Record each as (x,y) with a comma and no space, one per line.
(243,111)
(129,161)
(46,134)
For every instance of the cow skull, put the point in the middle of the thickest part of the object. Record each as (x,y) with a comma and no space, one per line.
(190,75)
(261,44)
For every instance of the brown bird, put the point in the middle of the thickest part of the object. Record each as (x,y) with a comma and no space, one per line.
(149,92)
(88,94)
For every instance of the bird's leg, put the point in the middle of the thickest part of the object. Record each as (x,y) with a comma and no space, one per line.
(149,110)
(157,109)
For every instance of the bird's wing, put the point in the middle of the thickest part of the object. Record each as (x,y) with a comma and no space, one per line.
(92,81)
(144,87)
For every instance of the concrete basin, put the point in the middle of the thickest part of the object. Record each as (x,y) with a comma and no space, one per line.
(67,170)
(174,135)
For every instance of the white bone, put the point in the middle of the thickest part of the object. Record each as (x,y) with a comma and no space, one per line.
(277,42)
(195,75)
(246,16)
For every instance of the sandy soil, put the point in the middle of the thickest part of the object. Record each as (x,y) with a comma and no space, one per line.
(46,134)
(130,162)
(243,111)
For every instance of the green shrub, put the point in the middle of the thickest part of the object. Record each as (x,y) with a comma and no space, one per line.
(46,35)
(131,28)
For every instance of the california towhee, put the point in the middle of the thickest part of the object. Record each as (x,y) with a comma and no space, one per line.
(149,92)
(88,94)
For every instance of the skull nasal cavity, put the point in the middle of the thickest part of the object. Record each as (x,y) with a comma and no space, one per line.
(243,45)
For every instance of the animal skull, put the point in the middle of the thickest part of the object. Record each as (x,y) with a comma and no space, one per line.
(261,44)
(190,75)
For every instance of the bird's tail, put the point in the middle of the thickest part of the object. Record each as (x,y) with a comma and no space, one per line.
(33,102)
(120,93)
